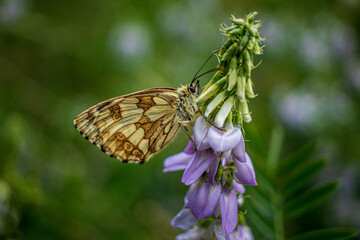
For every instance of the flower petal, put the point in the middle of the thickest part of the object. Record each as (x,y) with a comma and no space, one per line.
(204,200)
(197,166)
(247,235)
(177,162)
(200,134)
(238,187)
(229,210)
(222,141)
(239,150)
(189,192)
(245,172)
(237,234)
(191,234)
(190,149)
(183,220)
(213,169)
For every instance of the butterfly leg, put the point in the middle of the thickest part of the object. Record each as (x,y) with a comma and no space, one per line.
(213,124)
(182,125)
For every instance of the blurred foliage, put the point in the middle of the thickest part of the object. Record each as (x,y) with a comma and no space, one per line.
(60,57)
(285,193)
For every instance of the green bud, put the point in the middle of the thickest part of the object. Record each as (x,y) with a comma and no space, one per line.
(251,43)
(241,85)
(225,46)
(243,42)
(244,109)
(232,79)
(238,21)
(214,103)
(232,27)
(252,30)
(257,49)
(236,31)
(247,62)
(229,52)
(216,77)
(249,89)
(232,73)
(224,112)
(251,16)
(212,90)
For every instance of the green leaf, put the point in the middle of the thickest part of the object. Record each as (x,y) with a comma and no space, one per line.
(258,222)
(261,203)
(328,234)
(309,199)
(300,176)
(277,136)
(291,162)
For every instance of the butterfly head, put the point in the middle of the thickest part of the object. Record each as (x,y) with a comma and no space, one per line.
(194,88)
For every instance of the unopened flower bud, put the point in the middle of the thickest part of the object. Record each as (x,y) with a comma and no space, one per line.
(257,49)
(251,43)
(244,109)
(247,62)
(251,16)
(216,77)
(249,89)
(252,30)
(238,21)
(243,42)
(212,90)
(241,85)
(232,73)
(225,46)
(224,111)
(229,52)
(232,27)
(214,103)
(236,31)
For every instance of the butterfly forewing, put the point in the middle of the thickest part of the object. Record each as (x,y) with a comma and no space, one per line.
(132,127)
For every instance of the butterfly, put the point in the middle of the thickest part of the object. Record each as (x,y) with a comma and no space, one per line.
(133,127)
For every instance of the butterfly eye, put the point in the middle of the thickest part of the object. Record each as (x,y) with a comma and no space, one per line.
(192,89)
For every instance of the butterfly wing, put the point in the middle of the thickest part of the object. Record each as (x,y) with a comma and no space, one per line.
(132,127)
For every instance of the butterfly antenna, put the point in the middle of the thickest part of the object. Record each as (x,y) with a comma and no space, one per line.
(214,69)
(196,74)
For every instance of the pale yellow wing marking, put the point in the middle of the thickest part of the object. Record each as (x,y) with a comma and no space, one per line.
(133,127)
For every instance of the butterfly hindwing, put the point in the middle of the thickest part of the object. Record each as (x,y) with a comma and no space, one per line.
(132,127)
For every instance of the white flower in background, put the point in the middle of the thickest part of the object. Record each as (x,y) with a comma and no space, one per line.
(130,42)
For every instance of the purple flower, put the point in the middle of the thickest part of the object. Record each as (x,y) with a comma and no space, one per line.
(238,187)
(191,234)
(183,220)
(244,172)
(179,161)
(239,150)
(229,210)
(200,134)
(242,232)
(204,200)
(197,166)
(213,169)
(247,235)
(222,141)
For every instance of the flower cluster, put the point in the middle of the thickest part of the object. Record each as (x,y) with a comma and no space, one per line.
(225,94)
(216,173)
(215,163)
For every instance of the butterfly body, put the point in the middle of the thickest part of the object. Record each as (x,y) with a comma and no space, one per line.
(133,127)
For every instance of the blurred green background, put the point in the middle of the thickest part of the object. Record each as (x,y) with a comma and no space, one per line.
(58,58)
